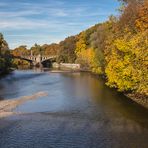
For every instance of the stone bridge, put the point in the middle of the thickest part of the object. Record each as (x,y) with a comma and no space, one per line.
(36,60)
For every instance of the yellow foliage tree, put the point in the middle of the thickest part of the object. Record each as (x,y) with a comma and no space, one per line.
(81,43)
(127,66)
(142,20)
(86,56)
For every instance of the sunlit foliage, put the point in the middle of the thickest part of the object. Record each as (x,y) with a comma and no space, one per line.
(127,54)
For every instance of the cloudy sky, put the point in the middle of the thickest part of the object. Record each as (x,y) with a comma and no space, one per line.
(25,22)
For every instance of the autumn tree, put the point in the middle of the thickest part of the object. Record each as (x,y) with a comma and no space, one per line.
(66,52)
(142,18)
(126,53)
(51,49)
(18,52)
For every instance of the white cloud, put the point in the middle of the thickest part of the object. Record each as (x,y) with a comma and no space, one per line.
(20,23)
(18,14)
(30,40)
(29,16)
(45,19)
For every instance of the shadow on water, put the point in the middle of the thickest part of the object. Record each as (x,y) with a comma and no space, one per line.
(123,105)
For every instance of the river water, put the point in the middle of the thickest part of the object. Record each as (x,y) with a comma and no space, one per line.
(79,112)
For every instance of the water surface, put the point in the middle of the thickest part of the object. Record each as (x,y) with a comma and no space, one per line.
(79,111)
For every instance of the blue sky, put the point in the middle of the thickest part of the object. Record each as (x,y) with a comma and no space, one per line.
(26,22)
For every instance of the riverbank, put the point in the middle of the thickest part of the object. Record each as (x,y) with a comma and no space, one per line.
(64,71)
(7,106)
(140,99)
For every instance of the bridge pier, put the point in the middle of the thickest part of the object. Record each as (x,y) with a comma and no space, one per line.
(35,64)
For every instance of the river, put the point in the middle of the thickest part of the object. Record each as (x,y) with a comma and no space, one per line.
(80,111)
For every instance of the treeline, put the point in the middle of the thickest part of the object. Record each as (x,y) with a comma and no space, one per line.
(117,48)
(45,49)
(5,60)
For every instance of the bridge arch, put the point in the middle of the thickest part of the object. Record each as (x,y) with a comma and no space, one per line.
(46,58)
(21,58)
(36,60)
(47,61)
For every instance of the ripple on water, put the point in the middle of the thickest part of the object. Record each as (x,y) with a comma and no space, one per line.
(79,112)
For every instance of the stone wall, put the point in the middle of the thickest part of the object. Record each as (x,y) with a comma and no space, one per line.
(66,66)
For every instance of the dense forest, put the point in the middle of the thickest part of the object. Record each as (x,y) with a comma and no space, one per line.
(116,49)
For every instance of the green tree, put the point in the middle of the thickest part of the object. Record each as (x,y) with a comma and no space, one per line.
(5,60)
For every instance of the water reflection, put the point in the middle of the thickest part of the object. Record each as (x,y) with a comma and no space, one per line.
(78,105)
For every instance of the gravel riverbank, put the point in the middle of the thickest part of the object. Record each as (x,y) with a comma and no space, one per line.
(7,106)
